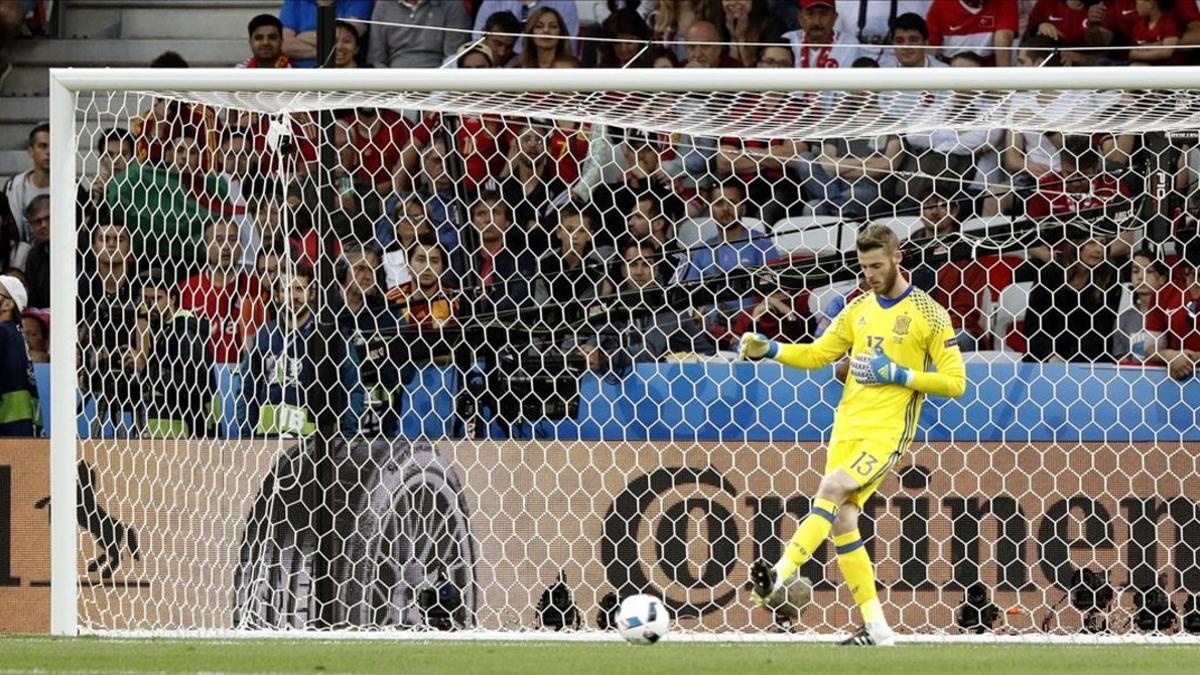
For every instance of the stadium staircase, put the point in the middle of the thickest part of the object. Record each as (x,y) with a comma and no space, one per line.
(120,34)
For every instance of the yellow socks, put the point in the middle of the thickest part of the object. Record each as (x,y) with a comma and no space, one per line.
(813,530)
(856,567)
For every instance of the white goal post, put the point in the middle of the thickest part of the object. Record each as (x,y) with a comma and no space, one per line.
(1156,99)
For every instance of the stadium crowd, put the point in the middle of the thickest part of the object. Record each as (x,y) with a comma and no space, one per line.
(199,245)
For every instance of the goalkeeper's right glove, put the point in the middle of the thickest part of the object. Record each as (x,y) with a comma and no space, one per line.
(756,346)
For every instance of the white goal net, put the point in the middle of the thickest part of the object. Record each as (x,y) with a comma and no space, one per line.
(463,360)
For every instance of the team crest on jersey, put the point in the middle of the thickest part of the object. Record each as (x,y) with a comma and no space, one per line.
(903,322)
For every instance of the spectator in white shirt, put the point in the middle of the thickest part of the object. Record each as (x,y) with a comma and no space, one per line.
(910,45)
(869,20)
(22,188)
(817,44)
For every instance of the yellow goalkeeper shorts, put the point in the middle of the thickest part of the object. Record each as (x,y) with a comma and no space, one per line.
(866,460)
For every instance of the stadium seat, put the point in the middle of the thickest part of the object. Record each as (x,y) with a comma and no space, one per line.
(976,224)
(227,380)
(1010,310)
(991,356)
(1127,298)
(903,226)
(818,234)
(818,298)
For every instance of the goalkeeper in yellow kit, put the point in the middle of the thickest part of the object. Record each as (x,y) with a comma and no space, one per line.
(894,333)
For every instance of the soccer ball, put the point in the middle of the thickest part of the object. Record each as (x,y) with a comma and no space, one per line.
(643,619)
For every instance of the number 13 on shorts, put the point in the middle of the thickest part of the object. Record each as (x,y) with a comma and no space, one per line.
(865,465)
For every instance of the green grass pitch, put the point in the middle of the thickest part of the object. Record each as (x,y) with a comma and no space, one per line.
(18,654)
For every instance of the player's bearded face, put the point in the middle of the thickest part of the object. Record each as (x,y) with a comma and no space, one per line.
(880,270)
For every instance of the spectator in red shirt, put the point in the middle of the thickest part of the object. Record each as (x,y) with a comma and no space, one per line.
(1070,23)
(567,144)
(483,142)
(702,53)
(1120,18)
(266,43)
(761,163)
(1082,184)
(985,27)
(224,294)
(1155,34)
(780,315)
(1182,354)
(385,149)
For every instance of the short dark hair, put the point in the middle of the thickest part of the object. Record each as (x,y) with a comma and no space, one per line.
(114,134)
(626,21)
(877,236)
(736,185)
(169,59)
(909,21)
(153,279)
(300,269)
(36,203)
(1156,265)
(229,133)
(276,249)
(502,22)
(260,190)
(779,44)
(969,56)
(43,127)
(943,190)
(571,211)
(351,28)
(1044,47)
(429,243)
(489,197)
(864,62)
(657,53)
(264,20)
(627,243)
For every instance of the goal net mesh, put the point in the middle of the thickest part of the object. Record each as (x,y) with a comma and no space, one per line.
(465,361)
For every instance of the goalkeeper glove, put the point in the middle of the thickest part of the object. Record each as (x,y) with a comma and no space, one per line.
(875,368)
(756,346)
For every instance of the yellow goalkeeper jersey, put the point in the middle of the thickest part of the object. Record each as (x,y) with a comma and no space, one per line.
(915,332)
